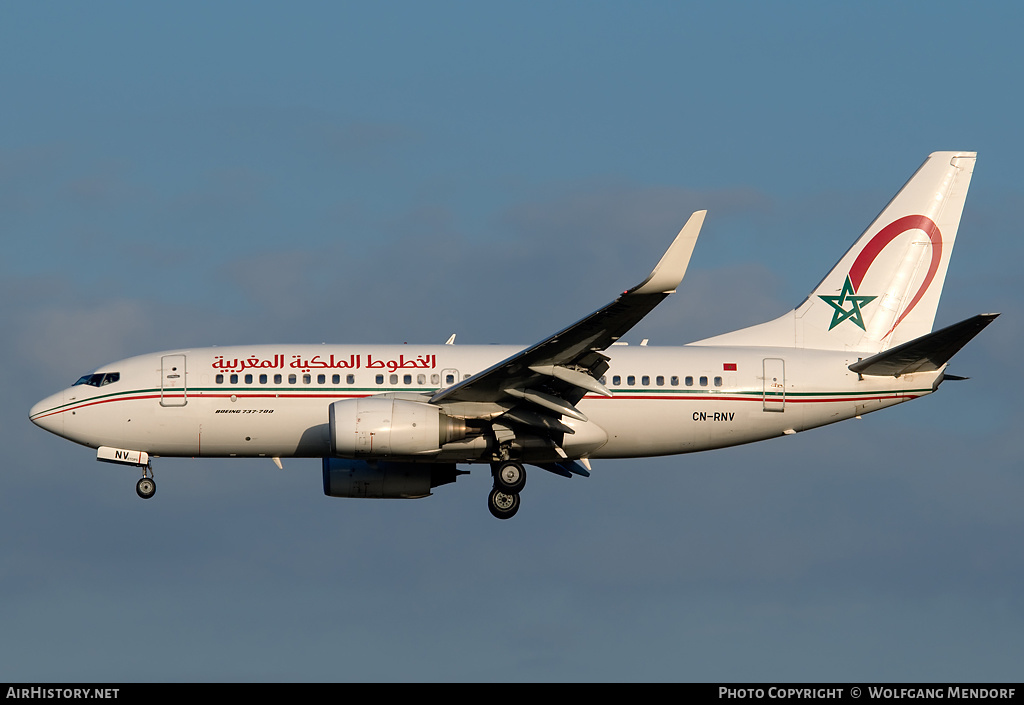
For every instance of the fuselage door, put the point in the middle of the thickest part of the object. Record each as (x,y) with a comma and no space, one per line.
(774,384)
(172,381)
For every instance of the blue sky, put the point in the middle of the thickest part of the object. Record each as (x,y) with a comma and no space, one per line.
(197,174)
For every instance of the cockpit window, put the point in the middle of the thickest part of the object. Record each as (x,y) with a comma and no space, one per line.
(91,380)
(99,379)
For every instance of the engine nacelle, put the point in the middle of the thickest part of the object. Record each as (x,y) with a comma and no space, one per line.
(382,427)
(378,479)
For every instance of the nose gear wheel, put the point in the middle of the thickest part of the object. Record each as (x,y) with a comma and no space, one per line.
(146,487)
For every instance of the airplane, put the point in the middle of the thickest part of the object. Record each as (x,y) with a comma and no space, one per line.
(395,421)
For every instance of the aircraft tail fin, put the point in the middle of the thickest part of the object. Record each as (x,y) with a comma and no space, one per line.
(885,290)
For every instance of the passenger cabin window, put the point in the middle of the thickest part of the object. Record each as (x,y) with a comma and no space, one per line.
(689,381)
(616,380)
(718,381)
(703,381)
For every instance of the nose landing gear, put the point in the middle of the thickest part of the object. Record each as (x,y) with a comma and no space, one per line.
(146,487)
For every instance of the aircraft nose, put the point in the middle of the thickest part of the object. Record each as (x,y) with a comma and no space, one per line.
(47,413)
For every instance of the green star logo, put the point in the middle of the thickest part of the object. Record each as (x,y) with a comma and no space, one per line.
(839,303)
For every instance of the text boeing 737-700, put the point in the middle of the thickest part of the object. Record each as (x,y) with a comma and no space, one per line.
(395,421)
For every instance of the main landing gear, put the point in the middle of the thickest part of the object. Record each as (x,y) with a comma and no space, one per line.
(509,481)
(146,487)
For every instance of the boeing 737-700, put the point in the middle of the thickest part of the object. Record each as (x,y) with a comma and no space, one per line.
(396,421)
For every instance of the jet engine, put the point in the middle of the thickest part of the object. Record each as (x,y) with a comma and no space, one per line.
(383,427)
(377,479)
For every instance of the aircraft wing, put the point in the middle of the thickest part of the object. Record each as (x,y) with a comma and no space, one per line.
(558,371)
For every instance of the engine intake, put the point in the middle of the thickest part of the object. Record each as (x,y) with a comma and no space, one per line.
(383,427)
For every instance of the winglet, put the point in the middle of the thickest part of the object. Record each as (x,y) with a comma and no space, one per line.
(672,267)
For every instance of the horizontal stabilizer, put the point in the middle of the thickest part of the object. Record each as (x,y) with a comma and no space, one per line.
(925,354)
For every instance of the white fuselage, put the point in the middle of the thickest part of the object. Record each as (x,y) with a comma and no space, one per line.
(273,400)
